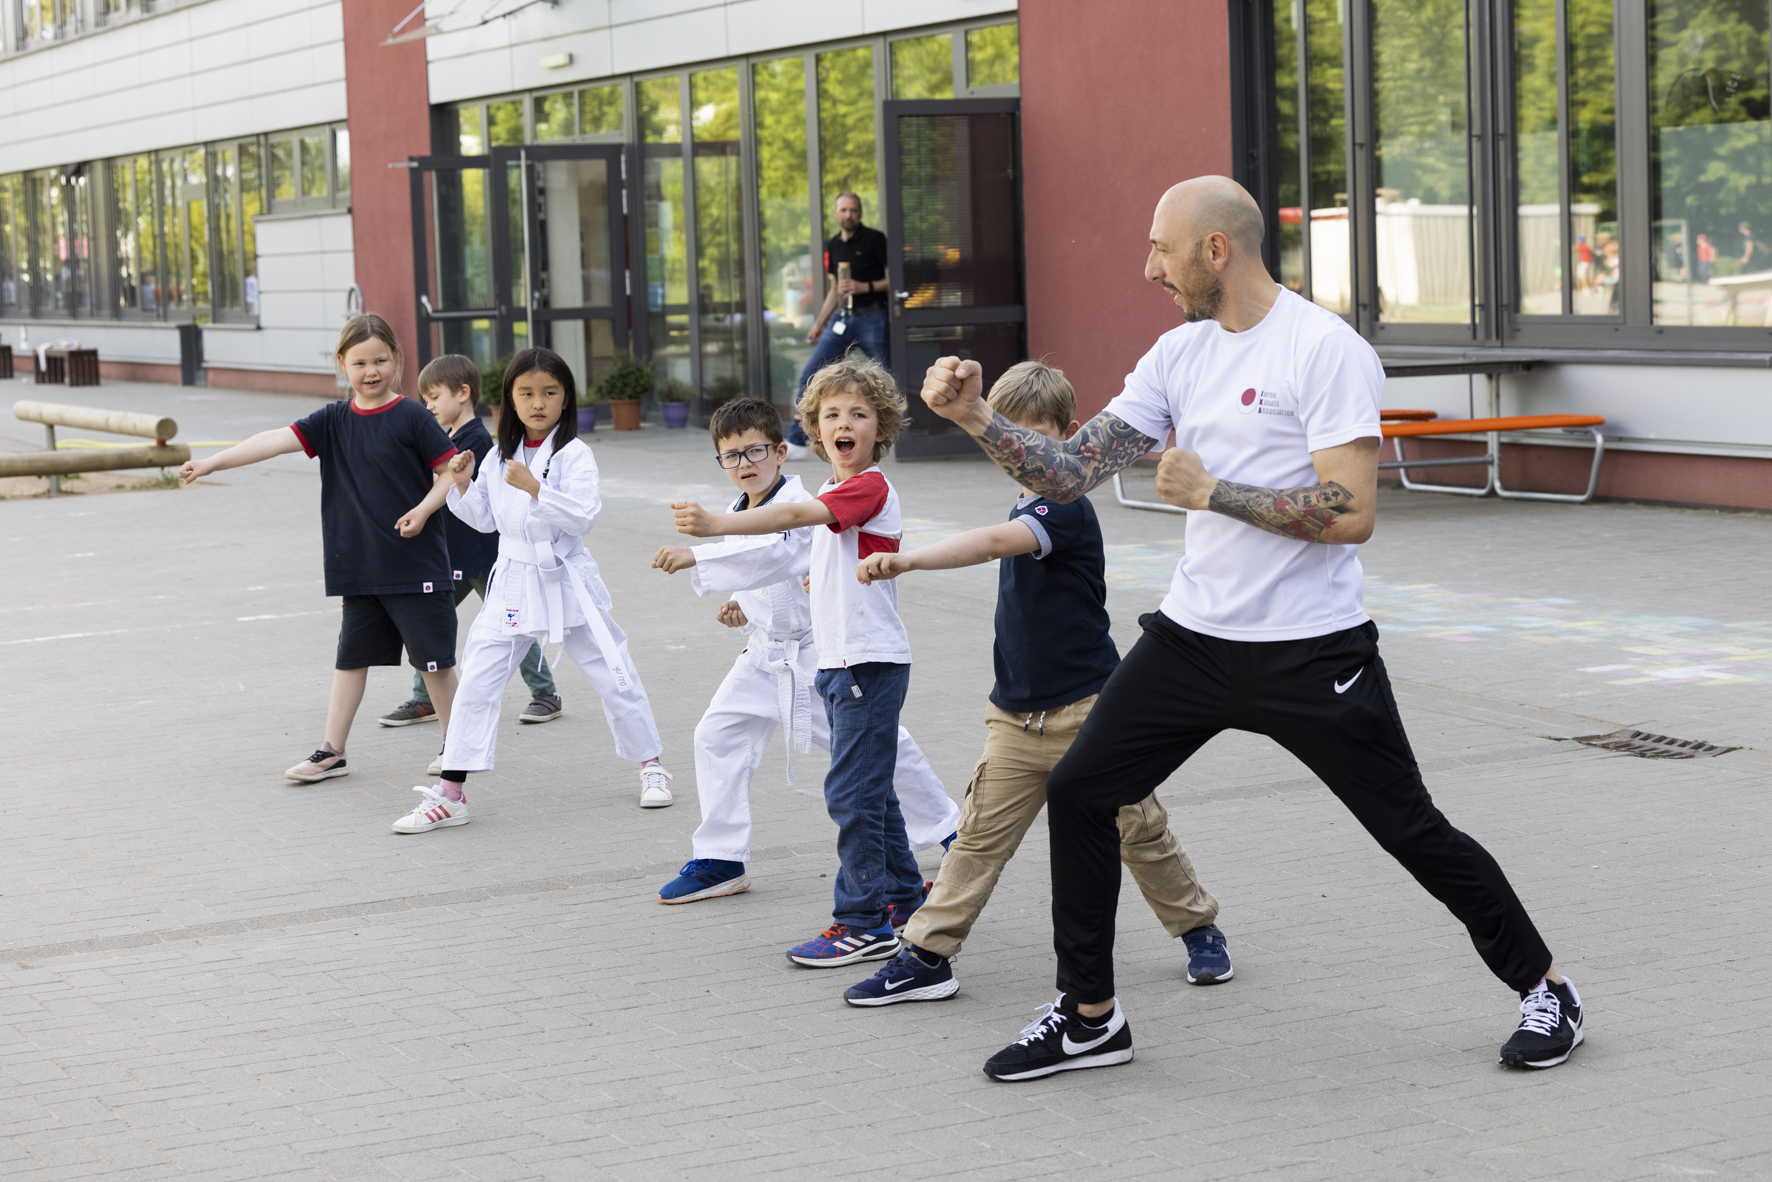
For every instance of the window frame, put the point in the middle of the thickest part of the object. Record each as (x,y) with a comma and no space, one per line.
(1496,320)
(333,198)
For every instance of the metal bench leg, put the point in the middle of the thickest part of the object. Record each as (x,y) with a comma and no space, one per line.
(1401,468)
(1593,478)
(1154,506)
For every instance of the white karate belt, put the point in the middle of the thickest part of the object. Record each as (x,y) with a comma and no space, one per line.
(793,696)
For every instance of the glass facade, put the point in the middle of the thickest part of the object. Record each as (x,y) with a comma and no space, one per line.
(846,139)
(659,104)
(784,222)
(719,232)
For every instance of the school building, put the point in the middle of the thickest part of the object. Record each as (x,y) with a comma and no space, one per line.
(1577,193)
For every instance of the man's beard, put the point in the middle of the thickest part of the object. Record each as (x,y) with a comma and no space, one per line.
(1201,292)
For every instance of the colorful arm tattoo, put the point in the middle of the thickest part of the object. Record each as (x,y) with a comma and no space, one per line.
(1302,513)
(1064,471)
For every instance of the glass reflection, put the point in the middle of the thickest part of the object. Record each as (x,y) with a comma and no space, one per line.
(719,233)
(778,98)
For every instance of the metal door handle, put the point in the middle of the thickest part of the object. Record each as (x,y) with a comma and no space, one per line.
(901,295)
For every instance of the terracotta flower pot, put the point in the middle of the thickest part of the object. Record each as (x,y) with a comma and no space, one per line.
(626,414)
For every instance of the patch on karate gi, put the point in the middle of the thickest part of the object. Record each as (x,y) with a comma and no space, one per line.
(511,614)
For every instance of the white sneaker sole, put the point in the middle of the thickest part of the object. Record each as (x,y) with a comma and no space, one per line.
(315,779)
(945,989)
(654,802)
(877,952)
(1193,980)
(1541,1064)
(734,886)
(401,825)
(406,721)
(1105,1059)
(540,717)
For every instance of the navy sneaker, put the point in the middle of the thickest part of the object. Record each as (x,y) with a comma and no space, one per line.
(1208,960)
(705,878)
(906,977)
(1060,1040)
(1550,1027)
(841,944)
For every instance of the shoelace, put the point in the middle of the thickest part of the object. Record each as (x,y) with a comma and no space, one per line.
(1048,1022)
(655,777)
(322,755)
(697,868)
(1541,1012)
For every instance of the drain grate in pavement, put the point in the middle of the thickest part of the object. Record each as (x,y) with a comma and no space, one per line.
(1647,746)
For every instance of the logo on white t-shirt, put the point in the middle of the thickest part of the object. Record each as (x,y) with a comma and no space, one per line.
(1262,402)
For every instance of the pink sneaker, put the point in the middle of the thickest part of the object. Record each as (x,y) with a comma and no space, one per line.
(321,765)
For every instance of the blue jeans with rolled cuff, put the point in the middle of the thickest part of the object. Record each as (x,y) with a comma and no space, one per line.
(877,868)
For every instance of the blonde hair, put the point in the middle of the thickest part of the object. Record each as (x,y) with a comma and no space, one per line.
(1034,392)
(369,327)
(857,375)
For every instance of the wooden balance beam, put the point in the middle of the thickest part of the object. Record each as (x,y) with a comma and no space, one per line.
(56,464)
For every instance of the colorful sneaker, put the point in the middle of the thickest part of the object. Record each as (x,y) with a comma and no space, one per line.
(411,712)
(841,944)
(1550,1027)
(906,977)
(435,811)
(1060,1040)
(321,765)
(705,878)
(655,787)
(1208,959)
(542,708)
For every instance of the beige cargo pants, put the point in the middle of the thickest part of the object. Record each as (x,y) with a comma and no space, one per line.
(1007,791)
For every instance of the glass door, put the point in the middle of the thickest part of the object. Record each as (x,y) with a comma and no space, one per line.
(954,233)
(569,235)
(459,309)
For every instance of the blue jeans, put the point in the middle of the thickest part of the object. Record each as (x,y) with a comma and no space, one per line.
(535,674)
(865,330)
(862,704)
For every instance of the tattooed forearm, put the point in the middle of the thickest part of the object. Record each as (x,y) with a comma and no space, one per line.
(1064,471)
(1302,513)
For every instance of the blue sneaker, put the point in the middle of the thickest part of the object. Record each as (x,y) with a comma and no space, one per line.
(898,918)
(1208,960)
(841,944)
(705,878)
(907,977)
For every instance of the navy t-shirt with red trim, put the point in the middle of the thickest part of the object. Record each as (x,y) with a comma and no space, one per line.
(375,466)
(1053,646)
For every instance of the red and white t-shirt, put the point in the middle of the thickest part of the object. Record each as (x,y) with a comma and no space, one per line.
(853,624)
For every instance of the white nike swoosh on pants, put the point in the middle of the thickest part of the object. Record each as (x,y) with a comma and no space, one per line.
(1342,687)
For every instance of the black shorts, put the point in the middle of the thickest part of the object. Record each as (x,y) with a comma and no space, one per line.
(376,626)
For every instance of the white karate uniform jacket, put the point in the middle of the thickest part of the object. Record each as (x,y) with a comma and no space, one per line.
(771,684)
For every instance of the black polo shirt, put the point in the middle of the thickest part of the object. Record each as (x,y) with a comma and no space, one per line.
(1053,646)
(865,252)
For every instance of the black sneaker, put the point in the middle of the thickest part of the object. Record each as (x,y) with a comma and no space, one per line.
(411,712)
(1550,1027)
(1059,1040)
(906,977)
(1208,957)
(545,708)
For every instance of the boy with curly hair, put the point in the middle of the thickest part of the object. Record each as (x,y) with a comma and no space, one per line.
(852,412)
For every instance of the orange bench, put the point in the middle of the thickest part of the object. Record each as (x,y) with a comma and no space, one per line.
(1418,424)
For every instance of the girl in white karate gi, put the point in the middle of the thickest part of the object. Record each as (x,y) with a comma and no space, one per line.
(770,685)
(540,495)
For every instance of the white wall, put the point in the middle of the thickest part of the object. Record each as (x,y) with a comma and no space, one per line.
(1699,410)
(198,71)
(305,267)
(608,37)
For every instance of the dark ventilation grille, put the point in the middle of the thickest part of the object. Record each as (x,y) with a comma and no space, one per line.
(1647,746)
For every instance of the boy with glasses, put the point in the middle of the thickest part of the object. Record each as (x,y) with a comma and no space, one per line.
(771,683)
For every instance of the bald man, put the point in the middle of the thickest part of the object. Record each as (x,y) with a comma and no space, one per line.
(1274,405)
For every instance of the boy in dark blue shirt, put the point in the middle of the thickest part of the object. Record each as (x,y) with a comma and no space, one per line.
(450,387)
(384,555)
(1052,654)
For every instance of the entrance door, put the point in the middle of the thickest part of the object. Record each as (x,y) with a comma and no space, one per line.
(953,171)
(460,309)
(568,252)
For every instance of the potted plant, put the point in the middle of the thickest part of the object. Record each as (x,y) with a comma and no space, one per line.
(587,409)
(627,382)
(674,397)
(492,387)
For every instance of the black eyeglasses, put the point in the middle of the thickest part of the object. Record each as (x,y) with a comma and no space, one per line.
(756,453)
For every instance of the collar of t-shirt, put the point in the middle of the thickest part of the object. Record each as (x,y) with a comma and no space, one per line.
(742,503)
(388,405)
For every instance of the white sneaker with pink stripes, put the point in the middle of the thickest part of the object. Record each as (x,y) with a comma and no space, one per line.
(435,811)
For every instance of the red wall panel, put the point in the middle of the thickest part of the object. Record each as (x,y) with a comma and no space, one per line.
(1120,100)
(387,97)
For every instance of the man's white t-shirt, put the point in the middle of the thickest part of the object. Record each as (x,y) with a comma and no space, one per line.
(1254,405)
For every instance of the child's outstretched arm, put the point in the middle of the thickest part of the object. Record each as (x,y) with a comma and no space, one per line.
(697,522)
(414,521)
(279,441)
(967,549)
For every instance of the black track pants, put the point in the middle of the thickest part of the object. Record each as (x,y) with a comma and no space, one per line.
(1327,700)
